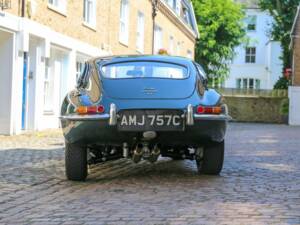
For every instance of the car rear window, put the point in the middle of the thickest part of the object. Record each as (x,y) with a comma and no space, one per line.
(144,69)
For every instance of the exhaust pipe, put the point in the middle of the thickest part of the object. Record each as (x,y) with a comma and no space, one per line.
(154,154)
(137,153)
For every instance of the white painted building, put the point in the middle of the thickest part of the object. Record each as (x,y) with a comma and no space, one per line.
(53,59)
(257,64)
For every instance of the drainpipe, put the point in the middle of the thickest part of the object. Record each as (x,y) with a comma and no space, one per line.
(25,69)
(23,8)
(154,14)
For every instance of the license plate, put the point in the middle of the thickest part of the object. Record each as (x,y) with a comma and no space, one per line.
(151,120)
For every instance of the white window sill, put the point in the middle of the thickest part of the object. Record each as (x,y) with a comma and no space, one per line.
(58,10)
(123,42)
(48,113)
(90,26)
(140,51)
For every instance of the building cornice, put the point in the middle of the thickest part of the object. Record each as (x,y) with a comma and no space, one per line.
(174,18)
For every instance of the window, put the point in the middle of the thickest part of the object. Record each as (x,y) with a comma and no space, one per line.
(178,50)
(140,32)
(157,39)
(144,69)
(48,88)
(172,3)
(79,69)
(251,23)
(89,12)
(171,45)
(186,15)
(247,83)
(58,4)
(250,55)
(124,22)
(178,6)
(189,54)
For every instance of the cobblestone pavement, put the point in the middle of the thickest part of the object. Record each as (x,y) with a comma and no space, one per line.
(260,184)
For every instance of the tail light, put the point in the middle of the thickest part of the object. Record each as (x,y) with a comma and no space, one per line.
(209,110)
(82,110)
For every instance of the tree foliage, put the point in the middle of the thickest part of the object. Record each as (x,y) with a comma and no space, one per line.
(221,30)
(283,12)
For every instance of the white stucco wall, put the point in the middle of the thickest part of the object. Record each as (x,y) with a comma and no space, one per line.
(268,66)
(294,110)
(6,69)
(42,45)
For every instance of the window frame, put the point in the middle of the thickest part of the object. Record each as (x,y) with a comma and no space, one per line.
(140,34)
(246,80)
(158,38)
(89,14)
(59,6)
(249,20)
(250,57)
(124,22)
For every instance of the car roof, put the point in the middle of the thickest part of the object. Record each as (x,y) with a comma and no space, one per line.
(163,58)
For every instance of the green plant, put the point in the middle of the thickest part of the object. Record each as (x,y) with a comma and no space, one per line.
(284,107)
(221,28)
(283,12)
(282,83)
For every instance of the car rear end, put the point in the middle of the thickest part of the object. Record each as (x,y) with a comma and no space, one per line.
(141,107)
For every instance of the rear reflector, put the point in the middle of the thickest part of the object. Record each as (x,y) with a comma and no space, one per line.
(209,110)
(90,109)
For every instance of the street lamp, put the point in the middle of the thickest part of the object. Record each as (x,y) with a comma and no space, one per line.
(154,14)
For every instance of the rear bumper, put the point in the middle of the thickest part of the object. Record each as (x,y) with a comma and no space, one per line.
(96,129)
(221,117)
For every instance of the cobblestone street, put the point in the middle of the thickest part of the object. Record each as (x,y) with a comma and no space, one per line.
(259,184)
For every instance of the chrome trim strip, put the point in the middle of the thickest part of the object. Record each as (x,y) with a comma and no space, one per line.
(85,117)
(212,117)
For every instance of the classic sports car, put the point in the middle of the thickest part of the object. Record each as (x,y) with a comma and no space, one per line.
(141,107)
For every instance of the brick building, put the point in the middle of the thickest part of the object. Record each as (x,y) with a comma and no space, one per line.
(44,43)
(294,90)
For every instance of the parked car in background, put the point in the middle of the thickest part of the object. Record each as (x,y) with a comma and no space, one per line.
(141,107)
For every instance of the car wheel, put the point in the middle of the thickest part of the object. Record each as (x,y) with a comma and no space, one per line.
(211,161)
(75,162)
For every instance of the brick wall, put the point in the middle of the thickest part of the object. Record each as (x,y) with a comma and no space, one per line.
(106,33)
(296,54)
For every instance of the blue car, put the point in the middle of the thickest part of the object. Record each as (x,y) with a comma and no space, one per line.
(143,107)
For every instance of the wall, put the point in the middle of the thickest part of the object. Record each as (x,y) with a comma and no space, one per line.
(6,59)
(294,110)
(255,109)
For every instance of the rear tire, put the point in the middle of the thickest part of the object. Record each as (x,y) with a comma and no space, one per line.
(211,162)
(75,162)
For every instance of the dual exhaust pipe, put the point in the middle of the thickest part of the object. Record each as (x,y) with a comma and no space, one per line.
(142,151)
